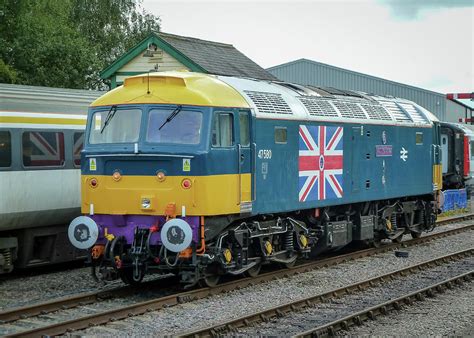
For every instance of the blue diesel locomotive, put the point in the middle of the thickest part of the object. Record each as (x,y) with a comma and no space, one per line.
(204,175)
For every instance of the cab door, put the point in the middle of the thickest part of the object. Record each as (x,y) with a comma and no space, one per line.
(244,157)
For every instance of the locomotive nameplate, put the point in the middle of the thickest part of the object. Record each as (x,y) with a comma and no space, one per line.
(383,150)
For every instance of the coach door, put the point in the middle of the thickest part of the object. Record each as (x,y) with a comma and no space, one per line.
(244,147)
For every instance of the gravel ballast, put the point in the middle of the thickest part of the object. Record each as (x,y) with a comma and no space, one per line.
(321,314)
(448,314)
(238,303)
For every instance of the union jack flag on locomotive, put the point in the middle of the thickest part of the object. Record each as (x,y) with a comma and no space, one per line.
(320,163)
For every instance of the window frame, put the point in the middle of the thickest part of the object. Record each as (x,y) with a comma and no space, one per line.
(11,149)
(232,129)
(275,134)
(74,132)
(42,167)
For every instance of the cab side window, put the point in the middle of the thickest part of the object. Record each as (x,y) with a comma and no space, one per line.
(244,129)
(5,149)
(222,130)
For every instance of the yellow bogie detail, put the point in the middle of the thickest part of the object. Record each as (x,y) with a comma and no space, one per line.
(303,241)
(227,256)
(268,248)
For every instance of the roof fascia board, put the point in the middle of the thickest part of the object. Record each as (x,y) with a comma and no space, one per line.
(135,51)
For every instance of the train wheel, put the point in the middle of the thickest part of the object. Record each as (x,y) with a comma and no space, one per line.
(376,243)
(290,264)
(253,271)
(210,281)
(415,234)
(398,239)
(211,277)
(126,275)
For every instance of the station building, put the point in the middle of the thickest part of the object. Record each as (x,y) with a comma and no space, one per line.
(163,52)
(308,72)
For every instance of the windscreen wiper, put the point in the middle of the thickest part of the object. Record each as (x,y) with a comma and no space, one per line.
(109,117)
(171,116)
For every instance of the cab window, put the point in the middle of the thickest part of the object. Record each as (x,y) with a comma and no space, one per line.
(5,149)
(115,126)
(222,135)
(182,128)
(244,129)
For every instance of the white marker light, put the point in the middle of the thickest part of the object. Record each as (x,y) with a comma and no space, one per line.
(183,211)
(91,209)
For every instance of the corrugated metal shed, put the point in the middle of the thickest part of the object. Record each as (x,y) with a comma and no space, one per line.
(308,72)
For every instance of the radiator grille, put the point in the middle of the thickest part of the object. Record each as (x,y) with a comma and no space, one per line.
(269,103)
(318,107)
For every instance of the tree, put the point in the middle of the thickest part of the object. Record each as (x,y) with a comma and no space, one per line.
(7,73)
(67,43)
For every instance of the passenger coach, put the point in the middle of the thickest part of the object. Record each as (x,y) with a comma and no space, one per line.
(41,138)
(205,175)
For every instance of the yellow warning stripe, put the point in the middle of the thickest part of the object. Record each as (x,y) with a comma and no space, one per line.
(41,120)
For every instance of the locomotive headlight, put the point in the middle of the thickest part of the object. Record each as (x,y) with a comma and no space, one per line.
(146,203)
(160,176)
(116,176)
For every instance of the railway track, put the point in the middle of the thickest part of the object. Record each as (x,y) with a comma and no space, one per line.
(11,317)
(355,318)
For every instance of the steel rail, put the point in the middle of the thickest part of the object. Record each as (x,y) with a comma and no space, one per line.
(382,309)
(156,304)
(86,298)
(282,310)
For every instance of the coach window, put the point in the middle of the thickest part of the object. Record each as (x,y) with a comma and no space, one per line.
(244,129)
(472,150)
(222,135)
(76,150)
(5,149)
(43,149)
(280,135)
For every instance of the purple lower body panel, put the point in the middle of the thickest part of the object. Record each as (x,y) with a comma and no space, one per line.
(124,225)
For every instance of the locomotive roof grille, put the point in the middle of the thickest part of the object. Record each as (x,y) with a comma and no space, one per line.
(415,114)
(350,110)
(269,103)
(376,112)
(318,107)
(396,111)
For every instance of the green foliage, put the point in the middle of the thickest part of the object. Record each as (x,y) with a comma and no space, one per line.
(67,43)
(7,73)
